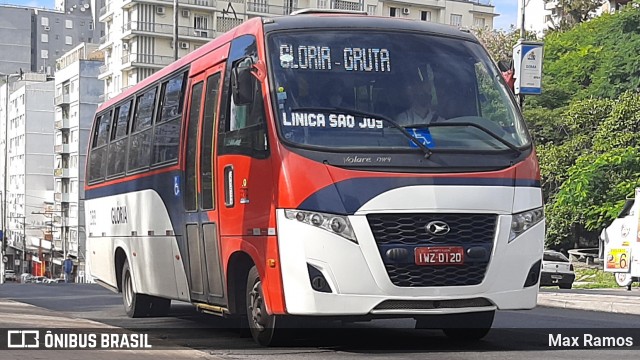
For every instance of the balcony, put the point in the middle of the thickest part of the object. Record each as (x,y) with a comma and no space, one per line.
(262,8)
(62,124)
(61,172)
(106,41)
(106,13)
(63,99)
(62,196)
(195,4)
(132,60)
(62,148)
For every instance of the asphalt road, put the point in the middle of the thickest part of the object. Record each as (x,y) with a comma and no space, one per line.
(522,334)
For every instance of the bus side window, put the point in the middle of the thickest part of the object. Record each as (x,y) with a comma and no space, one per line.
(244,129)
(118,145)
(142,131)
(100,139)
(167,128)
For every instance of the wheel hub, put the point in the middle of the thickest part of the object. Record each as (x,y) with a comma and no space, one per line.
(258,315)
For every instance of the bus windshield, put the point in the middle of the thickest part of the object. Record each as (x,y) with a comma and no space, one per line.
(339,89)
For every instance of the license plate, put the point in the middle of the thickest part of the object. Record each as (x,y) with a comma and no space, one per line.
(440,255)
(556,277)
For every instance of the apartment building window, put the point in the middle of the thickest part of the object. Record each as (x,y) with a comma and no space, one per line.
(74,136)
(44,21)
(290,6)
(479,22)
(68,40)
(259,6)
(393,12)
(44,38)
(68,24)
(425,15)
(456,20)
(323,4)
(371,9)
(200,22)
(44,54)
(90,25)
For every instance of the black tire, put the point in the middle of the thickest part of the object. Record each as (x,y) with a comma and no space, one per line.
(136,305)
(565,286)
(261,325)
(470,327)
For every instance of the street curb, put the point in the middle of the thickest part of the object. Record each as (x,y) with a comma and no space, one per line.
(603,303)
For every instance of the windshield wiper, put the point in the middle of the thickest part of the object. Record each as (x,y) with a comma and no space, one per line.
(427,152)
(477,126)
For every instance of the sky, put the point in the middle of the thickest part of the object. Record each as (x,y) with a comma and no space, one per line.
(507,9)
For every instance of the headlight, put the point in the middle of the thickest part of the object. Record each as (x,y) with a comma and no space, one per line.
(523,221)
(336,224)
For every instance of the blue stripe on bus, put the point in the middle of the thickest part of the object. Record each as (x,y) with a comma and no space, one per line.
(344,197)
(347,196)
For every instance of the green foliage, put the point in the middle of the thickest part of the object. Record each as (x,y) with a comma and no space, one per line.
(597,58)
(586,125)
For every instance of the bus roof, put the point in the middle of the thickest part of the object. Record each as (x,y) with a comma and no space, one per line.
(301,21)
(350,21)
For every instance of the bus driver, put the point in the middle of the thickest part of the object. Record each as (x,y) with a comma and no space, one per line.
(420,110)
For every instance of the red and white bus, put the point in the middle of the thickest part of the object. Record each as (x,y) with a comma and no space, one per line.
(269,175)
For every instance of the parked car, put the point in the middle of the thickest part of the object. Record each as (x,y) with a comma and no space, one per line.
(9,275)
(557,270)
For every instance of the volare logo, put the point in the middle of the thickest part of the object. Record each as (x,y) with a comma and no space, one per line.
(23,339)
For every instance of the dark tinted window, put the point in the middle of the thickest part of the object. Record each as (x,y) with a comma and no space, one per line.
(166,142)
(97,164)
(190,193)
(140,149)
(98,155)
(172,98)
(101,134)
(144,110)
(206,156)
(117,157)
(121,121)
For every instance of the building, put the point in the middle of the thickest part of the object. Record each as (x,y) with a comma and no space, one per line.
(37,37)
(77,94)
(29,169)
(138,36)
(541,16)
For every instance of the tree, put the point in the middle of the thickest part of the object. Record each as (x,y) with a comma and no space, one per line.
(572,12)
(500,43)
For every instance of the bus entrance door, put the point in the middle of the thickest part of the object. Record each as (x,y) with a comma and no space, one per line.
(204,266)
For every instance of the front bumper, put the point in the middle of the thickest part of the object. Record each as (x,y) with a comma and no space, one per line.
(360,285)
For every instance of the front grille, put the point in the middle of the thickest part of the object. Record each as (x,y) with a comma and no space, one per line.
(432,304)
(411,275)
(409,231)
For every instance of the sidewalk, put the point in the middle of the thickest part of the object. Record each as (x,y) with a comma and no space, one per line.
(16,315)
(615,301)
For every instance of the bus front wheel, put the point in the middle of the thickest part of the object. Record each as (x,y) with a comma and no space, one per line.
(262,325)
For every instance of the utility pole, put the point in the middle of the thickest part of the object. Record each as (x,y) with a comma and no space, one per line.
(175,30)
(522,38)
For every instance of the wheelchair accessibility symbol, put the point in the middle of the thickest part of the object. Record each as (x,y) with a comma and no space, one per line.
(176,185)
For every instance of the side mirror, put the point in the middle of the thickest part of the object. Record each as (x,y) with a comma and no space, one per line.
(243,82)
(505,65)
